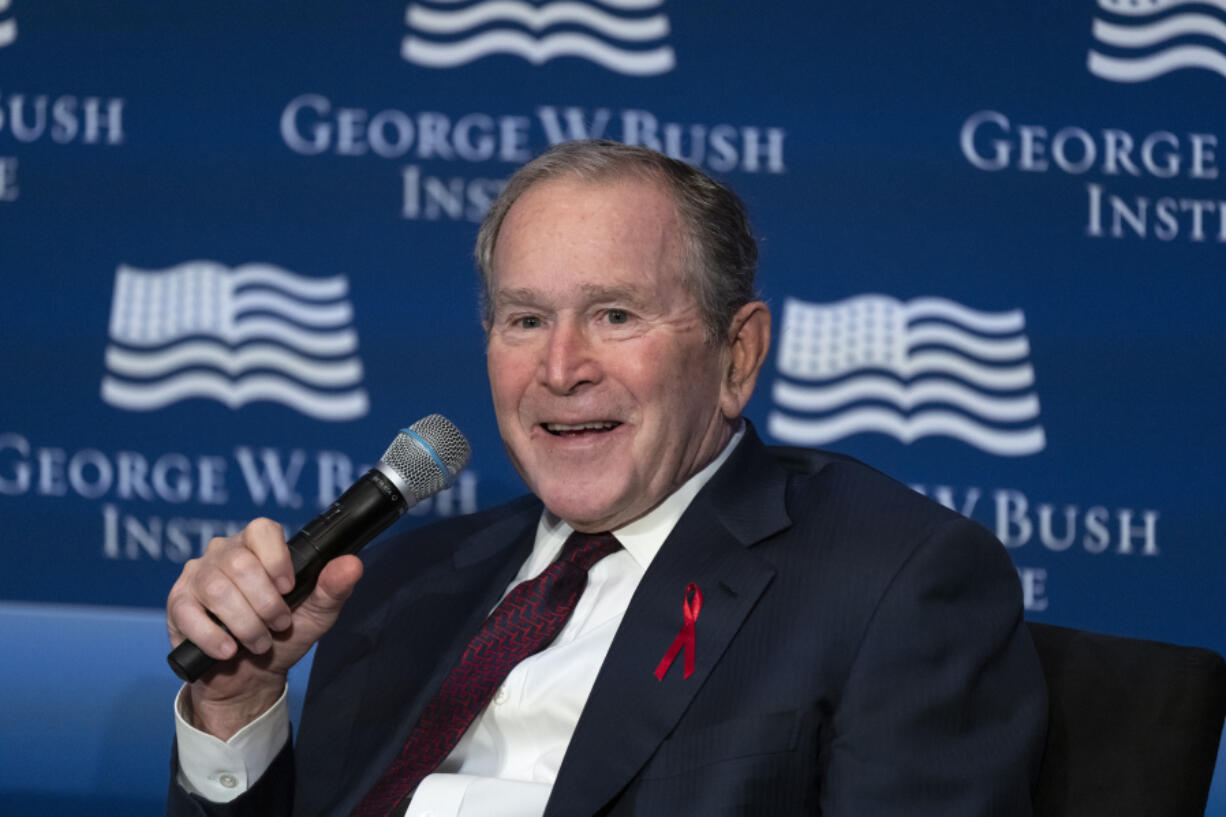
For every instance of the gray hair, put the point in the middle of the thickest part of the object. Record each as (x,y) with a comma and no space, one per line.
(720,256)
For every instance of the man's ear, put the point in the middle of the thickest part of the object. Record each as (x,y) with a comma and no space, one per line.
(749,339)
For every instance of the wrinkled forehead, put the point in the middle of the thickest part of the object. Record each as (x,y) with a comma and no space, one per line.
(624,220)
(586,182)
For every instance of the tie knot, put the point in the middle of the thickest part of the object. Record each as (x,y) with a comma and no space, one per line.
(586,549)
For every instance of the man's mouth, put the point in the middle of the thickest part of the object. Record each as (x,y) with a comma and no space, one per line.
(575,429)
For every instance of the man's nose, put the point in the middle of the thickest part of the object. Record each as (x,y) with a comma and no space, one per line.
(570,358)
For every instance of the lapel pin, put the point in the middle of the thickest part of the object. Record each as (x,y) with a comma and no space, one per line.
(691,604)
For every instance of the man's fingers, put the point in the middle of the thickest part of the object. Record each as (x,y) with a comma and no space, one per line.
(189,621)
(266,539)
(247,573)
(240,581)
(219,594)
(335,584)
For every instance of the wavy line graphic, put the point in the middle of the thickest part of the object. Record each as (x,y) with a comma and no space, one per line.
(906,397)
(538,51)
(1128,8)
(246,275)
(1012,320)
(210,354)
(620,5)
(331,288)
(1142,69)
(928,423)
(1009,321)
(336,314)
(537,18)
(995,349)
(235,394)
(1142,36)
(996,378)
(318,344)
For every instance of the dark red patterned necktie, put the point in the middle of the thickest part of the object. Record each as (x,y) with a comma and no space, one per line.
(526,622)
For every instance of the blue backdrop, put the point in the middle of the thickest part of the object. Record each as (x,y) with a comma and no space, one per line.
(236,240)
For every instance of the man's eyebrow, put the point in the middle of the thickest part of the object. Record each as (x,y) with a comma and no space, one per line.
(517,297)
(597,293)
(592,294)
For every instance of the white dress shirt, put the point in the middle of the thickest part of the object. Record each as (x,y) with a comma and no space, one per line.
(508,759)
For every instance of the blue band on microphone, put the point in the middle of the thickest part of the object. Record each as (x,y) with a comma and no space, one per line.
(429,449)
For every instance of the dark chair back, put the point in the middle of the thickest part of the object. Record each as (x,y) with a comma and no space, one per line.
(1133,725)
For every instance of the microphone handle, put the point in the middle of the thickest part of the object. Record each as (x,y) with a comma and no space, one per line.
(360,514)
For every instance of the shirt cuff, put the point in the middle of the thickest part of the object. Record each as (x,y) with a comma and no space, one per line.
(461,795)
(219,770)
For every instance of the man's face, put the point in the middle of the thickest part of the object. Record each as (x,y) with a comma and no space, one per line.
(607,392)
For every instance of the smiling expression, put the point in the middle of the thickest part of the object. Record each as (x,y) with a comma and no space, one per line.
(607,391)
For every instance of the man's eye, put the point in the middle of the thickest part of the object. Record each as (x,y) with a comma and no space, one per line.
(528,322)
(618,316)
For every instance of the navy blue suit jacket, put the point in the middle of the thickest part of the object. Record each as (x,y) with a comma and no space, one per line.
(860,653)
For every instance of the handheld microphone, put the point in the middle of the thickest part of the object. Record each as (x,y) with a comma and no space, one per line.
(422,460)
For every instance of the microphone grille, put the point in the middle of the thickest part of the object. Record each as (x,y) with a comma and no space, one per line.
(427,455)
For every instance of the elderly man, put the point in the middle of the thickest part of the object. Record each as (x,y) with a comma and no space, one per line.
(673,623)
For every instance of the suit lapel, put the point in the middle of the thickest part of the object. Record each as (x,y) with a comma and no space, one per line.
(709,547)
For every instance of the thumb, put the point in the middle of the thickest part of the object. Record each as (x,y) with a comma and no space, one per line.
(333,588)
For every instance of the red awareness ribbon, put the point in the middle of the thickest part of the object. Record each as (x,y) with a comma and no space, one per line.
(685,639)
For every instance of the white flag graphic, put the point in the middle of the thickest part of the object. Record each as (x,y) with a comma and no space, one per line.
(256,332)
(926,367)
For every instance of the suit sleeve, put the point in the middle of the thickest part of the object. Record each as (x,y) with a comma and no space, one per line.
(945,708)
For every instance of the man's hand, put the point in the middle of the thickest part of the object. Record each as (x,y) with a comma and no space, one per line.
(240,579)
